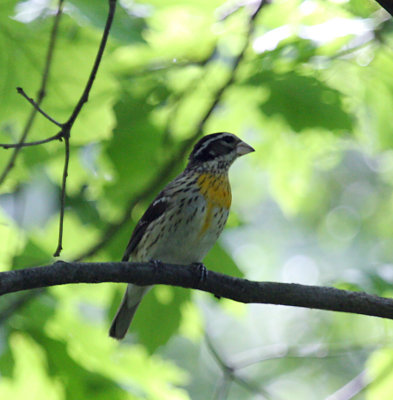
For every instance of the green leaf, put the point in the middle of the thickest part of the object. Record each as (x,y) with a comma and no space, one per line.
(127,26)
(302,101)
(73,58)
(31,255)
(35,314)
(159,315)
(78,382)
(380,370)
(7,363)
(218,259)
(29,367)
(18,57)
(363,8)
(135,146)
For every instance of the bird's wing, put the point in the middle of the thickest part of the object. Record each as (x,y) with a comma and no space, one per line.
(155,210)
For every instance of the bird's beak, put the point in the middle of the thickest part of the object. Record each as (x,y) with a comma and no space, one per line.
(243,148)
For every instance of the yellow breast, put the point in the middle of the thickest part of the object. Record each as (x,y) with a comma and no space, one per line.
(216,189)
(217,192)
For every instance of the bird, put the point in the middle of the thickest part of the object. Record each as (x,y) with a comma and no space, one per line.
(185,219)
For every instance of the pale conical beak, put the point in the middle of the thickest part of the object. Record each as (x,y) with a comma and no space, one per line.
(243,148)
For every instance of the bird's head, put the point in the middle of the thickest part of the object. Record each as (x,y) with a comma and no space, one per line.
(218,150)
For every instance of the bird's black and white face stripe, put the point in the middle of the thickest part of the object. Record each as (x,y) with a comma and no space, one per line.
(222,145)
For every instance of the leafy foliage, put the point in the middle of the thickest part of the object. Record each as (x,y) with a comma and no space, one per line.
(312,93)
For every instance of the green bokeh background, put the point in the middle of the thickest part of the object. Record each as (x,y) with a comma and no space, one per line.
(313,94)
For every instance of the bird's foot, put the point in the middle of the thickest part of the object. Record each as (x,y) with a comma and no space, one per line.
(202,273)
(157,264)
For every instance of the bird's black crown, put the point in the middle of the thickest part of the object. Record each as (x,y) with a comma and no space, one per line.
(214,146)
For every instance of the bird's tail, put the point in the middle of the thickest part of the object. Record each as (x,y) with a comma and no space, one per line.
(126,311)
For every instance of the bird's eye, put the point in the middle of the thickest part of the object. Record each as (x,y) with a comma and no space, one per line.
(229,139)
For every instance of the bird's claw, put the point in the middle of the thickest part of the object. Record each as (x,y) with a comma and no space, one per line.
(202,272)
(157,264)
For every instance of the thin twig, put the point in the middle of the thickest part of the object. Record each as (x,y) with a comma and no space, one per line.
(169,167)
(251,387)
(360,383)
(68,125)
(226,368)
(277,352)
(63,193)
(229,375)
(58,136)
(235,66)
(41,92)
(222,390)
(351,388)
(85,95)
(37,107)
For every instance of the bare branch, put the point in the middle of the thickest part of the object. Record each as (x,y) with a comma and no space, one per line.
(37,107)
(241,290)
(41,92)
(85,95)
(387,5)
(351,388)
(230,375)
(58,136)
(63,193)
(67,126)
(223,386)
(318,351)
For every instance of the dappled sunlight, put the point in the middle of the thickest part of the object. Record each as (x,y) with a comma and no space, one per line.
(308,84)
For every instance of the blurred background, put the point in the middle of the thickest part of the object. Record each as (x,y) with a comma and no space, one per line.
(309,84)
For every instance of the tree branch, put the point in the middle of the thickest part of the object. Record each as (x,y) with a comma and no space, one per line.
(41,93)
(352,388)
(38,108)
(85,95)
(63,193)
(58,136)
(241,290)
(387,5)
(66,127)
(229,375)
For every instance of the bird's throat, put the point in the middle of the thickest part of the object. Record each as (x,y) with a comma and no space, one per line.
(216,189)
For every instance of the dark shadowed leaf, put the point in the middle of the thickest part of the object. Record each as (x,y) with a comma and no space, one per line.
(302,101)
(159,316)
